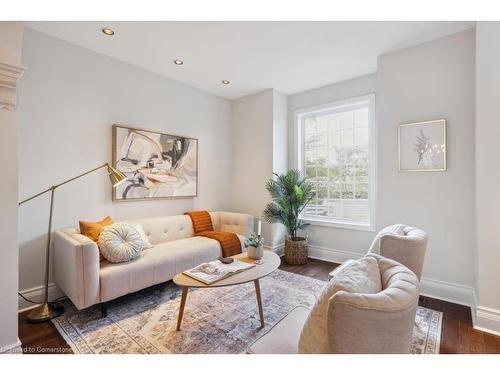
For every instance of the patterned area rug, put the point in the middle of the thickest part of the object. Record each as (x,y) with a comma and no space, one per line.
(216,320)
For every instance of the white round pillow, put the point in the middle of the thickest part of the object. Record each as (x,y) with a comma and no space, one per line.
(120,242)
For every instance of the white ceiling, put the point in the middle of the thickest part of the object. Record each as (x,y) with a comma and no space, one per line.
(288,56)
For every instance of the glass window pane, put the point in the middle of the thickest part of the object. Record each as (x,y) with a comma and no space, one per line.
(336,158)
(321,123)
(335,174)
(321,156)
(312,141)
(322,140)
(334,138)
(347,137)
(361,191)
(333,157)
(361,117)
(310,126)
(347,191)
(335,191)
(321,170)
(346,120)
(311,156)
(310,172)
(361,136)
(334,122)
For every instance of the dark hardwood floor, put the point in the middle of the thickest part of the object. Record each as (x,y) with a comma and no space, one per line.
(457,335)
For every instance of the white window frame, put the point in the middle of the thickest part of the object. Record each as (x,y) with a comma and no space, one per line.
(299,159)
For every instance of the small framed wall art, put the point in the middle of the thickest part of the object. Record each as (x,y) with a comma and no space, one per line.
(422,146)
(157,165)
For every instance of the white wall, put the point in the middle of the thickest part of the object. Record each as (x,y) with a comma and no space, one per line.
(10,53)
(259,149)
(487,175)
(431,81)
(280,154)
(428,81)
(252,121)
(323,240)
(71,97)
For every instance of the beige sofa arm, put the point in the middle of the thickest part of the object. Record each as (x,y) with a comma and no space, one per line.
(242,224)
(76,267)
(409,251)
(383,331)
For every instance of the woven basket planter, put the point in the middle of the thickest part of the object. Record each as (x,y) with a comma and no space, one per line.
(296,252)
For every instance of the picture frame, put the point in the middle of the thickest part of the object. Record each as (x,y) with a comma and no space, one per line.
(422,146)
(158,165)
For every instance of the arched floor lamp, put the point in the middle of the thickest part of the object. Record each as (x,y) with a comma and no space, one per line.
(47,310)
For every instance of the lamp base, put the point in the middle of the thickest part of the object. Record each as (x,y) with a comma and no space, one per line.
(45,312)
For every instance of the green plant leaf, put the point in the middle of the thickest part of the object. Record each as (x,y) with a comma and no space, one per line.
(290,193)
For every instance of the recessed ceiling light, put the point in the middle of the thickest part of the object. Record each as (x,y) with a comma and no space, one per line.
(108,31)
(178,62)
(226,82)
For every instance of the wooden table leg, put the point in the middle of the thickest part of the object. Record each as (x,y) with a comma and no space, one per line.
(259,302)
(181,308)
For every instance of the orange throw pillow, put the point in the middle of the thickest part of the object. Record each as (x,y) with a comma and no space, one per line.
(93,229)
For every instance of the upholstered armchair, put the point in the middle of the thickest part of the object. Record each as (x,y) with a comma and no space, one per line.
(354,322)
(402,243)
(406,245)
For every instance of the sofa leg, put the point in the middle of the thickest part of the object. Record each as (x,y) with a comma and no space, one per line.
(104,310)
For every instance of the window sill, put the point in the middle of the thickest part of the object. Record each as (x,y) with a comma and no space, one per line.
(340,224)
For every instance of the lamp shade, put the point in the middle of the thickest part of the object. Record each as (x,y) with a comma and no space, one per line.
(115,176)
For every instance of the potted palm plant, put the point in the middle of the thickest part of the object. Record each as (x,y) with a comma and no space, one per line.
(290,194)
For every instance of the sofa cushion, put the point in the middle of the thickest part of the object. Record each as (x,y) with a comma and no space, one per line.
(155,265)
(358,276)
(284,336)
(166,229)
(236,223)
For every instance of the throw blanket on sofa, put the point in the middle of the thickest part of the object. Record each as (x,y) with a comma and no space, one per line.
(202,225)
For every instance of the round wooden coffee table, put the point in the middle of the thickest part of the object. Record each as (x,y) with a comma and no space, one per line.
(270,262)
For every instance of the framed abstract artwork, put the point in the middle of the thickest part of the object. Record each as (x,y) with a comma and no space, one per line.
(422,146)
(157,165)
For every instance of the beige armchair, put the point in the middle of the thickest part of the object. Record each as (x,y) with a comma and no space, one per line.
(408,247)
(356,322)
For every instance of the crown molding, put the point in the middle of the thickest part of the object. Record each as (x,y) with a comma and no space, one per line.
(9,76)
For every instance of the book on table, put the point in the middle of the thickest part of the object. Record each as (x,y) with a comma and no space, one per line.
(211,272)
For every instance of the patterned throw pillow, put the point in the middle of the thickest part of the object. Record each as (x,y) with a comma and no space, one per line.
(120,242)
(358,276)
(145,241)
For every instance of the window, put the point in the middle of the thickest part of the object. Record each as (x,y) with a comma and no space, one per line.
(336,151)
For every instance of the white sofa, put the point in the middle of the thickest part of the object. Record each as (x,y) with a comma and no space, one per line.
(86,281)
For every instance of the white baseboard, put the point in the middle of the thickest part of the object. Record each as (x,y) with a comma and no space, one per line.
(487,320)
(332,255)
(446,291)
(14,348)
(36,294)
